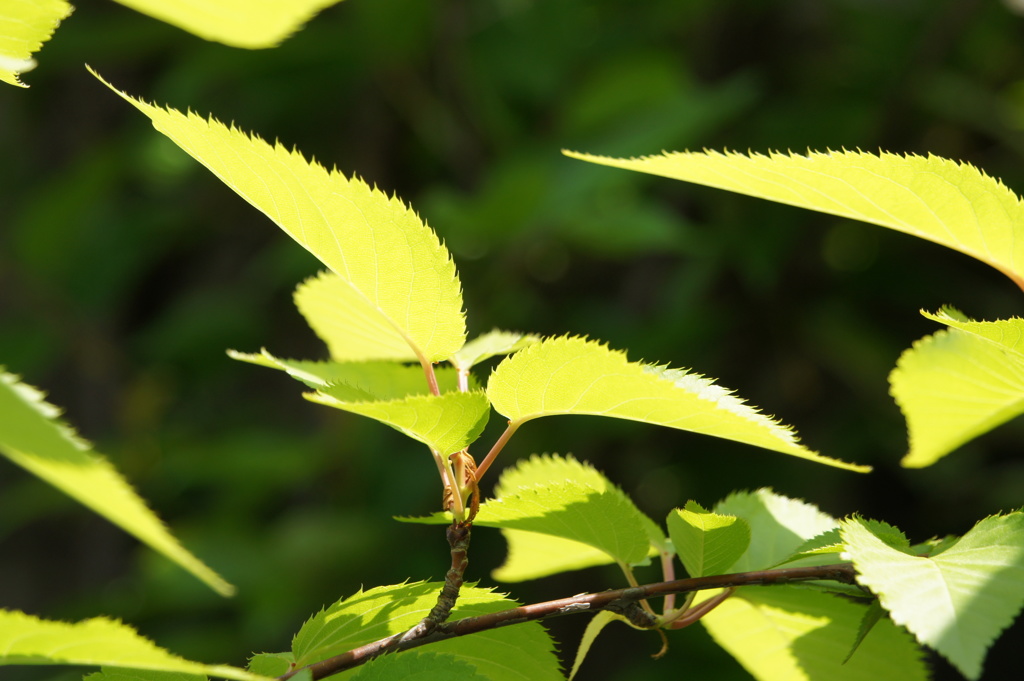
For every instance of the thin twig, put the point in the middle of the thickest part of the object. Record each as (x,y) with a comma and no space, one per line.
(621,601)
(498,446)
(458,539)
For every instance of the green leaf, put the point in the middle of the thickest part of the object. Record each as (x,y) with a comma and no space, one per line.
(956,602)
(24,26)
(779,526)
(375,380)
(948,202)
(825,544)
(239,23)
(25,639)
(571,500)
(32,436)
(271,664)
(400,274)
(707,543)
(491,344)
(532,555)
(520,653)
(604,519)
(118,674)
(958,384)
(416,665)
(872,616)
(576,376)
(784,633)
(446,423)
(595,626)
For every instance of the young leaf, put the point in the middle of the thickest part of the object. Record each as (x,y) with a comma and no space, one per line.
(32,436)
(445,423)
(350,325)
(520,653)
(779,526)
(577,376)
(707,543)
(950,203)
(491,344)
(955,385)
(239,23)
(784,633)
(417,665)
(25,639)
(26,25)
(402,276)
(956,602)
(380,380)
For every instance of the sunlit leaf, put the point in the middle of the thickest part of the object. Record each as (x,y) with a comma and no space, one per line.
(24,26)
(948,202)
(958,384)
(239,23)
(532,555)
(398,270)
(784,633)
(350,325)
(779,526)
(446,423)
(491,344)
(707,543)
(577,376)
(956,602)
(25,639)
(524,652)
(379,380)
(32,436)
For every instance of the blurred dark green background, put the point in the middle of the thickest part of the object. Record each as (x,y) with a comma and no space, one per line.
(126,270)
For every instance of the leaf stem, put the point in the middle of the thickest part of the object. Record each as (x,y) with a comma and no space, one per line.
(495,450)
(621,601)
(428,371)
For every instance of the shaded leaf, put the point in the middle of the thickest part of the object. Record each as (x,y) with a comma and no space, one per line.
(948,202)
(396,267)
(120,674)
(595,626)
(239,23)
(779,526)
(707,543)
(417,665)
(956,602)
(576,376)
(32,436)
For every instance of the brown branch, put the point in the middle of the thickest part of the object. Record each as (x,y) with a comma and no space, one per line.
(621,601)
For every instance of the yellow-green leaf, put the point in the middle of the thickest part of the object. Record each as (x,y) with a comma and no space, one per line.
(32,436)
(24,26)
(25,639)
(948,202)
(578,376)
(351,326)
(783,633)
(958,384)
(239,23)
(445,423)
(393,262)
